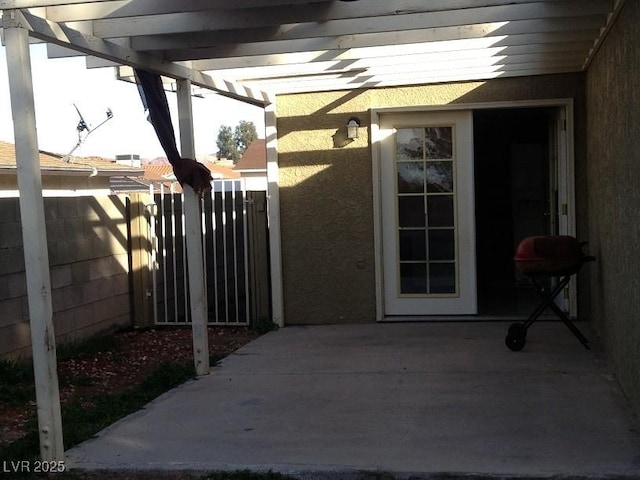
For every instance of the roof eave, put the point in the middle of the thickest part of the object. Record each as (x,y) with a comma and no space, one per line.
(78,172)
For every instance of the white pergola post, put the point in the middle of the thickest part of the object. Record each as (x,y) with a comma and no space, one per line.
(273,196)
(34,235)
(193,225)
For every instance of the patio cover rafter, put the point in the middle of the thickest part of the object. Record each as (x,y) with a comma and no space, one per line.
(313,19)
(319,38)
(63,35)
(267,24)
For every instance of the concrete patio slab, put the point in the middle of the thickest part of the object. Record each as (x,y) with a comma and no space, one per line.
(405,398)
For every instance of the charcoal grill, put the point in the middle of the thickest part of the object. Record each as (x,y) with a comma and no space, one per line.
(542,257)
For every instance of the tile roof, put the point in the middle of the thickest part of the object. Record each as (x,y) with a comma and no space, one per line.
(159,173)
(254,158)
(165,172)
(219,171)
(122,184)
(53,164)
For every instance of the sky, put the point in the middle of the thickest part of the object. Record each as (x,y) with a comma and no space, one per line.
(61,83)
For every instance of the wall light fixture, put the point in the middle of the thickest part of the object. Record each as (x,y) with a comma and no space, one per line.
(352,128)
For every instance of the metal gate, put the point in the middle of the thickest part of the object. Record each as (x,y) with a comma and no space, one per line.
(224,240)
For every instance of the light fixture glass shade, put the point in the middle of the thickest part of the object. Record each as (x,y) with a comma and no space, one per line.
(352,128)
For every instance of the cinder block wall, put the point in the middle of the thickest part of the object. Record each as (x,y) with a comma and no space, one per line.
(613,143)
(87,240)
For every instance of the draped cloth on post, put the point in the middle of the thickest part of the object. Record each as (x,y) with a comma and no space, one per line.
(187,170)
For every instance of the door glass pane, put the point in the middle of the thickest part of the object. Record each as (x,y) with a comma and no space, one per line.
(440,210)
(442,245)
(438,142)
(409,143)
(442,277)
(413,277)
(413,245)
(439,177)
(411,177)
(411,211)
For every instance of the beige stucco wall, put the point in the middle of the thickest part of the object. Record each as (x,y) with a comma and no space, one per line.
(326,193)
(613,103)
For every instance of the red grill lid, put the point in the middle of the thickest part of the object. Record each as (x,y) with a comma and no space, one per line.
(549,255)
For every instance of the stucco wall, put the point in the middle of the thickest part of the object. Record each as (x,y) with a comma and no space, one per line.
(327,194)
(613,107)
(87,241)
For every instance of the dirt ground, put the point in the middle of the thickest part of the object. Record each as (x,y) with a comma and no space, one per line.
(137,353)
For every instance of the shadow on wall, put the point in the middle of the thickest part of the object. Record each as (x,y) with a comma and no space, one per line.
(326,187)
(88,241)
(326,196)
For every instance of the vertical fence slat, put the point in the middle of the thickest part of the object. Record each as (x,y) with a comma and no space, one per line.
(164,256)
(235,250)
(203,228)
(245,245)
(224,250)
(153,253)
(214,222)
(185,278)
(174,254)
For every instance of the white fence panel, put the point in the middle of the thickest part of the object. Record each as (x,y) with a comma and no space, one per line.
(224,227)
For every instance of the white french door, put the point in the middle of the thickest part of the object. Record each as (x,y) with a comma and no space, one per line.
(427,213)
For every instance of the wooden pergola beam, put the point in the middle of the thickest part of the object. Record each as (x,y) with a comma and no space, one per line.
(65,36)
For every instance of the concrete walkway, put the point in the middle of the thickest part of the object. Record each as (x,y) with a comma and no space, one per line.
(421,398)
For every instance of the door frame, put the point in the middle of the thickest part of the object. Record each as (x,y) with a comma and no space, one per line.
(566,180)
(463,300)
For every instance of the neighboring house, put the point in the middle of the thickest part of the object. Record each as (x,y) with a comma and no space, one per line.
(252,166)
(75,176)
(162,174)
(128,184)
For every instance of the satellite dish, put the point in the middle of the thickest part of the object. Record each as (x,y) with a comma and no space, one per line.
(82,127)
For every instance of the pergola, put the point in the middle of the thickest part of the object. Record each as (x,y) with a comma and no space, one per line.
(252,50)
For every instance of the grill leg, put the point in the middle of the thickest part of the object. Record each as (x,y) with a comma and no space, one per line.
(570,325)
(547,298)
(517,334)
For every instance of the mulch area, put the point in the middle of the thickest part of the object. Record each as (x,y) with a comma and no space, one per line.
(136,354)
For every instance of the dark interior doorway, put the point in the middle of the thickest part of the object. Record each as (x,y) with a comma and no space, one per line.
(513,201)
